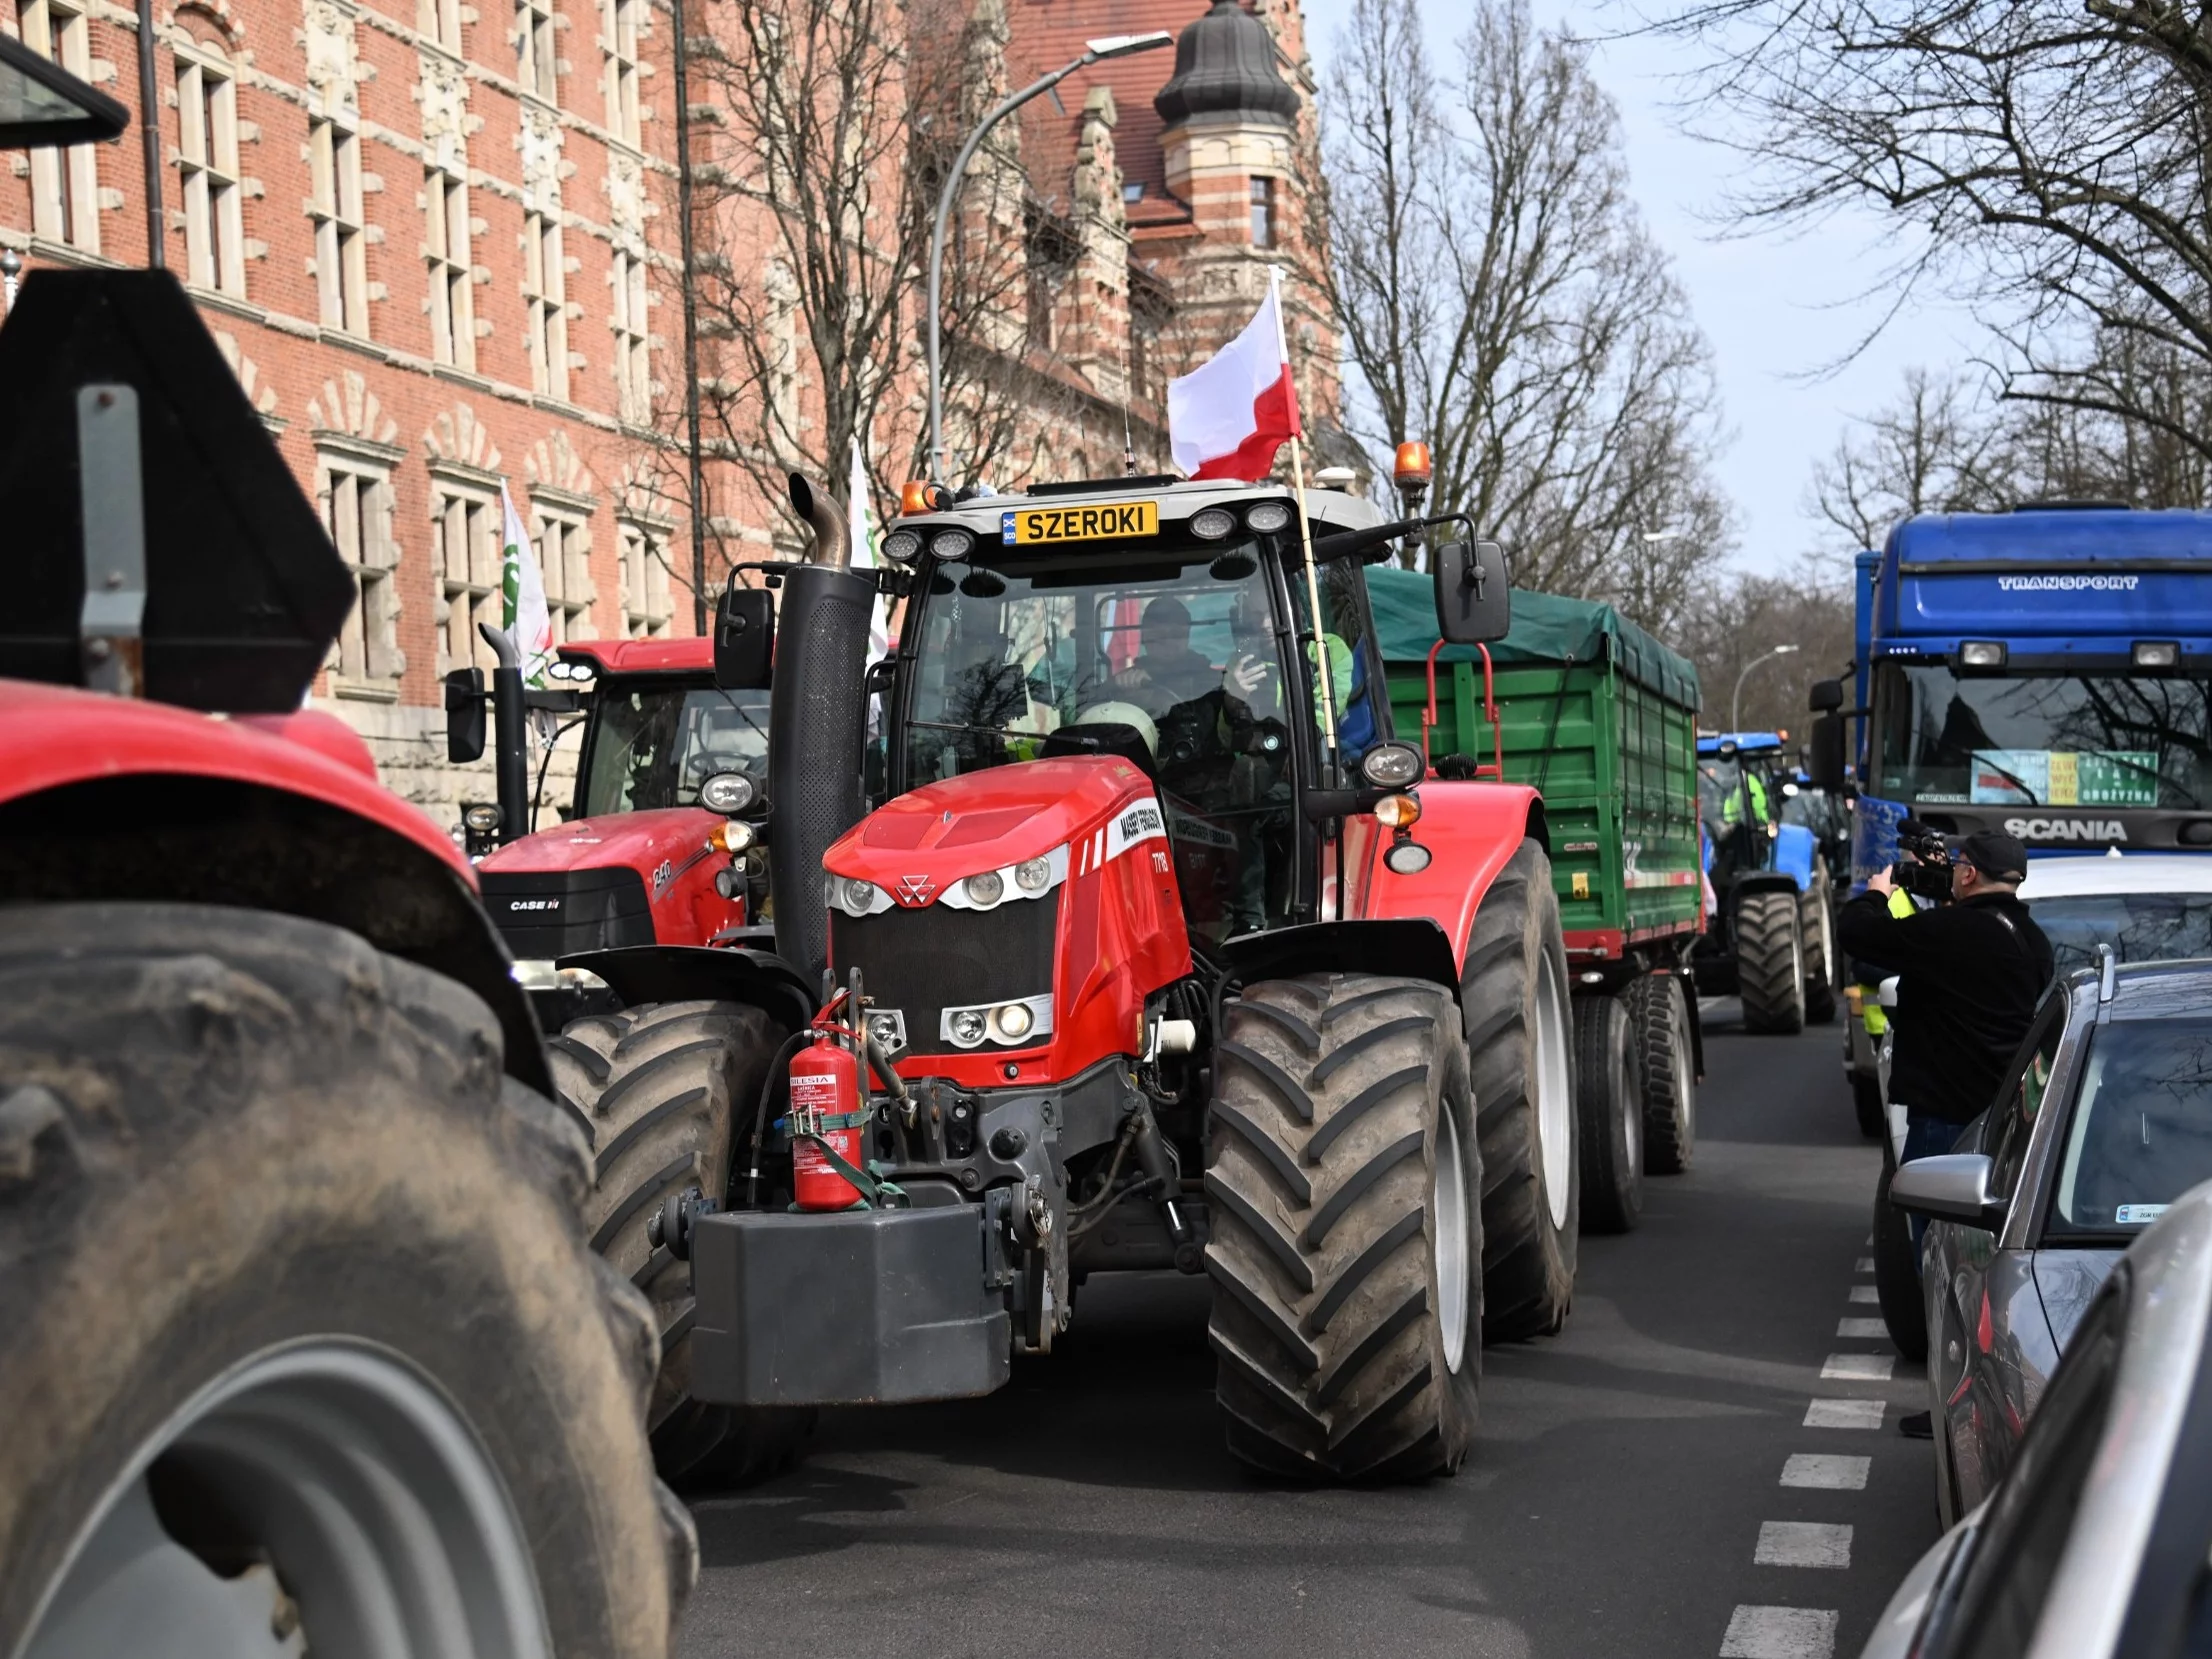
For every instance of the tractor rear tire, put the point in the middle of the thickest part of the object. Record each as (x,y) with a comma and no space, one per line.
(1897,1274)
(1770,963)
(1660,1011)
(1513,998)
(1609,1093)
(1347,1230)
(665,1089)
(1816,924)
(304,1339)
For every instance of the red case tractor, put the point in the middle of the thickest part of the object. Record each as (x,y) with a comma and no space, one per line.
(1160,953)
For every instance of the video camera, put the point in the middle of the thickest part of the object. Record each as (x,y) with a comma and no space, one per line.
(1930,878)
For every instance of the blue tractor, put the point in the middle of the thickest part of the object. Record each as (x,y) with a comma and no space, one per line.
(1770,921)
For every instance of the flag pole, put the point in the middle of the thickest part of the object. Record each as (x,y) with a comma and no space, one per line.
(1305,537)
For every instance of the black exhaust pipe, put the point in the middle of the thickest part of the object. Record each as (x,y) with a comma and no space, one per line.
(816,726)
(510,745)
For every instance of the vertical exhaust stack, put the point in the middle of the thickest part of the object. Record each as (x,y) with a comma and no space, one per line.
(816,726)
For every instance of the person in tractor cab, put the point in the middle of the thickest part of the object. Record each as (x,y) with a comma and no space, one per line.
(1167,671)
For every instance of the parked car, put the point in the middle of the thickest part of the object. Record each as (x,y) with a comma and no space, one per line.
(2095,1544)
(2105,1120)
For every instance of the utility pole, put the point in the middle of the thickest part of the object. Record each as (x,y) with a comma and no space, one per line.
(149,129)
(1735,705)
(689,285)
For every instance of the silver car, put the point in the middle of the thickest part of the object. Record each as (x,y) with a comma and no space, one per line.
(2105,1120)
(2095,1546)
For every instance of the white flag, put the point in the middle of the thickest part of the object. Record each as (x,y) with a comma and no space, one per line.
(864,552)
(528,624)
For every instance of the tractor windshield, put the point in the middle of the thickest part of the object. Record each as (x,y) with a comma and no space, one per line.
(653,746)
(1161,652)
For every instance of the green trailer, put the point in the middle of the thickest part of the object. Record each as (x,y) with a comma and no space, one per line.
(1602,719)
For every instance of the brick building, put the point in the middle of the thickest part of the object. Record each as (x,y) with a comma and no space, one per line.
(436,240)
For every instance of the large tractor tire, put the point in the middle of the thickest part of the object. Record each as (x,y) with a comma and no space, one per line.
(1659,1013)
(1770,963)
(1816,925)
(305,1346)
(1609,1097)
(667,1089)
(1342,1171)
(1897,1274)
(1520,1035)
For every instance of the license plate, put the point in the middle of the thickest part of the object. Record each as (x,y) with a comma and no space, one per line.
(1108,523)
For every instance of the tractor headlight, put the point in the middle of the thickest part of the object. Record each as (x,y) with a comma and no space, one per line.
(1032,878)
(1267,517)
(951,544)
(1010,1022)
(966,1027)
(1007,1024)
(857,896)
(728,793)
(902,547)
(1392,765)
(1033,875)
(1212,523)
(986,889)
(482,819)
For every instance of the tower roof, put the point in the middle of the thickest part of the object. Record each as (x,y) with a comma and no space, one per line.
(1225,69)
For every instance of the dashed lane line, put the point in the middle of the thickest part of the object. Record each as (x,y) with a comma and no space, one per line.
(1861,1327)
(1845,1414)
(1802,1544)
(1780,1633)
(1867,1295)
(1865,1264)
(1826,1472)
(1858,1367)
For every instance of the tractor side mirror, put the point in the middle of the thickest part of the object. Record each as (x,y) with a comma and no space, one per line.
(744,638)
(1826,696)
(1825,760)
(1474,593)
(464,715)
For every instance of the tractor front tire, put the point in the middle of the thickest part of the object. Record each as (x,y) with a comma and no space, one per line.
(1660,1008)
(1816,925)
(1513,999)
(1609,1094)
(1770,963)
(304,1339)
(1342,1174)
(665,1090)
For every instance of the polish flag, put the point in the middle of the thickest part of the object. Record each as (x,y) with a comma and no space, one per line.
(1228,418)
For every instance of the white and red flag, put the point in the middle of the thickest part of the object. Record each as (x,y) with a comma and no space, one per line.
(1227,418)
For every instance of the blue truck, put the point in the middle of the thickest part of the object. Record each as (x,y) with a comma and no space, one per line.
(1770,930)
(2045,671)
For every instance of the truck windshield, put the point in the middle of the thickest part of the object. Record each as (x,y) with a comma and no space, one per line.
(654,747)
(2041,739)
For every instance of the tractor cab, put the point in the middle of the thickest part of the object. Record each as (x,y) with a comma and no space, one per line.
(1770,935)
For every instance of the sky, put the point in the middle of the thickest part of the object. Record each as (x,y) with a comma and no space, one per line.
(1777,310)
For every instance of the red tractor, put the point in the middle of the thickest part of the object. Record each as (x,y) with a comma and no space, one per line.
(306,1345)
(1160,953)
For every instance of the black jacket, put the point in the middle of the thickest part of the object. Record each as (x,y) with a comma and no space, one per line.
(1969,986)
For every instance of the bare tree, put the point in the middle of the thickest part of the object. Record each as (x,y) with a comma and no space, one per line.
(1502,301)
(1937,449)
(1732,622)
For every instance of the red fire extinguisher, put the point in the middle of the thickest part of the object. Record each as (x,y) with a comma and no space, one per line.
(828,1108)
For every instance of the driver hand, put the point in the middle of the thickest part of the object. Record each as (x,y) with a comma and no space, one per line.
(1246,675)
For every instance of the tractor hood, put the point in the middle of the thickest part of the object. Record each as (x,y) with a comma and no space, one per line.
(988,820)
(641,841)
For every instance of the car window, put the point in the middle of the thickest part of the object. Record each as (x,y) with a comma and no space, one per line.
(2141,1133)
(2012,1115)
(2141,927)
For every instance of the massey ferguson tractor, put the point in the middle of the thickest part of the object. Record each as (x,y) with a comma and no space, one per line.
(1161,952)
(306,1349)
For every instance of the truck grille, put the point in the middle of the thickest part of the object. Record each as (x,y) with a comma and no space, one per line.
(544,914)
(922,962)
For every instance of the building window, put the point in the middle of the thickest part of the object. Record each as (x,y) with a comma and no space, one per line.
(341,254)
(65,184)
(357,511)
(564,562)
(441,21)
(1263,213)
(207,165)
(621,49)
(646,606)
(633,382)
(465,546)
(545,302)
(452,305)
(536,56)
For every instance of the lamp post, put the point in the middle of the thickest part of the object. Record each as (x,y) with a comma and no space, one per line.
(1735,706)
(1094,51)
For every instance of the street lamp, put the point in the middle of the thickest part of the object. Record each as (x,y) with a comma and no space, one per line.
(1735,706)
(1094,51)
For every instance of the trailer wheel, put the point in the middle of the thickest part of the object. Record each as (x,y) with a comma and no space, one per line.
(305,1345)
(1609,1093)
(1513,998)
(1770,963)
(1897,1274)
(1659,1012)
(662,1088)
(1816,925)
(1345,1189)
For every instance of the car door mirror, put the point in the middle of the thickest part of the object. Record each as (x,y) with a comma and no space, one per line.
(1953,1187)
(1474,593)
(464,715)
(744,638)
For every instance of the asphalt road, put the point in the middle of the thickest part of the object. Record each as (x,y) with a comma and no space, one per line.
(1646,1484)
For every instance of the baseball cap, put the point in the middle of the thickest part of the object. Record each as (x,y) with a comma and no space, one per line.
(1996,854)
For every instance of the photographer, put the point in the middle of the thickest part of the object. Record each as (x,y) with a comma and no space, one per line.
(1971,972)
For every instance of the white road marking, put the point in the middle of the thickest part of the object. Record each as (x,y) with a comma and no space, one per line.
(1844,1414)
(1858,1367)
(1861,1327)
(1825,1472)
(1865,1264)
(1870,1241)
(1866,1294)
(1779,1633)
(1802,1544)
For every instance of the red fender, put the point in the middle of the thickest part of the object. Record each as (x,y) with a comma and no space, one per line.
(1472,829)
